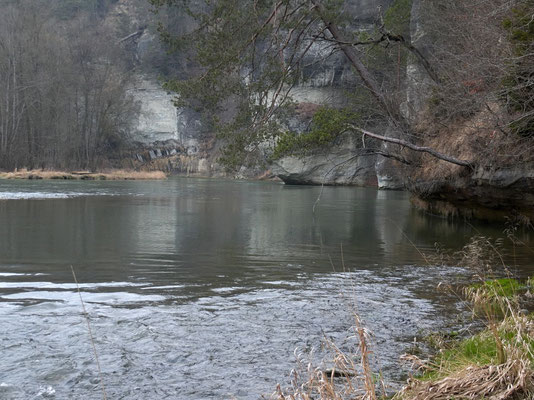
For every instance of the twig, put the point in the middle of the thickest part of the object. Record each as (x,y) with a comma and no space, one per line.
(104,395)
(410,240)
(326,175)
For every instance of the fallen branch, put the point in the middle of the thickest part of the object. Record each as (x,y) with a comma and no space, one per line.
(414,147)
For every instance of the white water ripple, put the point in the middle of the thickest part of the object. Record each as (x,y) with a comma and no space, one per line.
(42,195)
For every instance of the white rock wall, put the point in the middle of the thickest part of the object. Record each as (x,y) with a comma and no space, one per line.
(158,118)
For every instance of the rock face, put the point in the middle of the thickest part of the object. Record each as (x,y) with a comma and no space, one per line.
(417,79)
(488,195)
(163,137)
(326,70)
(175,140)
(190,132)
(388,171)
(325,84)
(158,118)
(365,11)
(339,166)
(170,139)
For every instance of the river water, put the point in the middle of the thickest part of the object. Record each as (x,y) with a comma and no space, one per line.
(203,289)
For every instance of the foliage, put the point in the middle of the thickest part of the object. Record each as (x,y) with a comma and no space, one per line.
(497,362)
(327,124)
(385,58)
(397,17)
(481,84)
(482,349)
(504,287)
(511,336)
(238,80)
(520,26)
(248,58)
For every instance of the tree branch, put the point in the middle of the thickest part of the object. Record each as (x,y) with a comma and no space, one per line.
(386,35)
(413,147)
(130,36)
(392,111)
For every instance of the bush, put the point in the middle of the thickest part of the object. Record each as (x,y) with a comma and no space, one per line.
(327,124)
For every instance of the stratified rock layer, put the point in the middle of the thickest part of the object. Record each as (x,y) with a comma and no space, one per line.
(496,195)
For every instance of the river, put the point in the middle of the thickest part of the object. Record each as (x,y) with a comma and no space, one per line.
(203,289)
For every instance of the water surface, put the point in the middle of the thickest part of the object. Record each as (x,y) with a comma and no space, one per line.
(204,288)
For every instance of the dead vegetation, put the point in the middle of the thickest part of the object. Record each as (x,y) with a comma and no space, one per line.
(477,138)
(84,175)
(350,377)
(496,363)
(511,380)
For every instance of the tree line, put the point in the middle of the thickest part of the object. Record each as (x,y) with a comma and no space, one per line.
(64,99)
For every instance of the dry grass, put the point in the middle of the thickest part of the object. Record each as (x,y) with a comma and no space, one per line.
(119,174)
(495,364)
(348,378)
(476,138)
(510,380)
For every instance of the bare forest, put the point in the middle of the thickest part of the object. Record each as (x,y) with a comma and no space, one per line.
(64,101)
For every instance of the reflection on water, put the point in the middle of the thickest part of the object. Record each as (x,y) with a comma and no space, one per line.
(202,289)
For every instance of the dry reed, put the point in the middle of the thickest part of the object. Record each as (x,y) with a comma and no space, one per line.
(119,174)
(503,368)
(508,375)
(91,337)
(346,379)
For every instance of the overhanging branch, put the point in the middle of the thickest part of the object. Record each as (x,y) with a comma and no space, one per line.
(421,149)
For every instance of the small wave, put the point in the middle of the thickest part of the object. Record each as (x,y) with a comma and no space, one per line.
(38,195)
(46,392)
(227,289)
(65,286)
(112,298)
(10,274)
(164,287)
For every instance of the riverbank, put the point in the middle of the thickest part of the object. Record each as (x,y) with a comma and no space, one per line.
(491,358)
(118,174)
(495,363)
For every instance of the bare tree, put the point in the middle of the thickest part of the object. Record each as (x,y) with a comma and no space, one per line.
(63,101)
